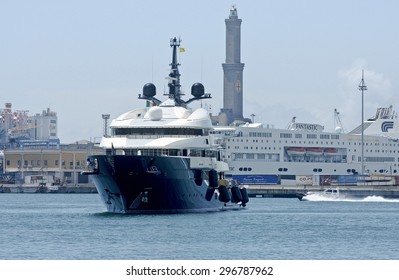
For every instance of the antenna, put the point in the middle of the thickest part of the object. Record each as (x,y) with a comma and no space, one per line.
(174,75)
(105,118)
(202,68)
(362,85)
(253,117)
(152,69)
(362,88)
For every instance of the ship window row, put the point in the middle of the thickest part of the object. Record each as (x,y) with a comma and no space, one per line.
(317,142)
(374,159)
(256,148)
(122,131)
(274,141)
(314,136)
(260,134)
(312,142)
(376,151)
(168,152)
(225,133)
(285,135)
(255,156)
(382,151)
(371,144)
(297,135)
(379,159)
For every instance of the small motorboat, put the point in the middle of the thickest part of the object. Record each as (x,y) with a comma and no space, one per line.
(330,193)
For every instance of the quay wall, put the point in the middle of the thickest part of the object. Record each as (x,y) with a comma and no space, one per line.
(277,191)
(350,191)
(84,188)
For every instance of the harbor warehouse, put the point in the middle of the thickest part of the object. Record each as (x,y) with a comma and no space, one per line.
(58,166)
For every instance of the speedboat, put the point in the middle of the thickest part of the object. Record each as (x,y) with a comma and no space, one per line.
(330,193)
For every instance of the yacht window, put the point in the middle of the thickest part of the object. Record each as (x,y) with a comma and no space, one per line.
(158,131)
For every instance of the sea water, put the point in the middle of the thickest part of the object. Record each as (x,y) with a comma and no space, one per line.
(75,226)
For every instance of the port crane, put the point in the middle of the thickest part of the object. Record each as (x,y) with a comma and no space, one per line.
(337,122)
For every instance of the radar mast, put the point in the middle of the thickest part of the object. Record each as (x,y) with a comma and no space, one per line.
(175,93)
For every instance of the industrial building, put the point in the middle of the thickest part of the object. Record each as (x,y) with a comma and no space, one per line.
(31,153)
(19,130)
(61,166)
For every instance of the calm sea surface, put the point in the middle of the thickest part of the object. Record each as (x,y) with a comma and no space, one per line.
(75,226)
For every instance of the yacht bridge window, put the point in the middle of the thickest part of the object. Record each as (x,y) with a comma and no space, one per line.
(166,152)
(122,131)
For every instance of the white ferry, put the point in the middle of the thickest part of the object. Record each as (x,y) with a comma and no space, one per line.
(304,154)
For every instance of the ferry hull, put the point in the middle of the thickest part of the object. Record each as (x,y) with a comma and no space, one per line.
(151,184)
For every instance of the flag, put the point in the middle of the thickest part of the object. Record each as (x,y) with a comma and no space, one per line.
(182,49)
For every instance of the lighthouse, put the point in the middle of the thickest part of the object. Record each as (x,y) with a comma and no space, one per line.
(232,110)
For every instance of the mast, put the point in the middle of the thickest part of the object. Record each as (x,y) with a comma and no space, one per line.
(174,75)
(197,89)
(362,88)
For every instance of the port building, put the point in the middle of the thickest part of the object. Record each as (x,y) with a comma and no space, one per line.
(31,152)
(54,166)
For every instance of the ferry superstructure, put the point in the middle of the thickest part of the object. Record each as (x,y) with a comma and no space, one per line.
(161,158)
(305,154)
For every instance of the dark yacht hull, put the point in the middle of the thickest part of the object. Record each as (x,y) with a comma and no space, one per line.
(152,184)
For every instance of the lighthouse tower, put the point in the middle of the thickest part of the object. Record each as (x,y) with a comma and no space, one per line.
(233,72)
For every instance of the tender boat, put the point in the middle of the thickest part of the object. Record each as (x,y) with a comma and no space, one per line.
(330,193)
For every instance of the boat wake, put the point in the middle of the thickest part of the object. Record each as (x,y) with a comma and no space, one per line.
(341,198)
(379,199)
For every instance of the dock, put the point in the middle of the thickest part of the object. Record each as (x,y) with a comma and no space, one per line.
(270,191)
(83,188)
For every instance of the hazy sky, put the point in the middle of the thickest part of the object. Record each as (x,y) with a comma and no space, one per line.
(302,58)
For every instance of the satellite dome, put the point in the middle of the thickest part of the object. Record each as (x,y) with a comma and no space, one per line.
(149,90)
(197,90)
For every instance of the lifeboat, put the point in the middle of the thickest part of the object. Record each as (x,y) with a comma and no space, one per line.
(330,152)
(296,151)
(314,151)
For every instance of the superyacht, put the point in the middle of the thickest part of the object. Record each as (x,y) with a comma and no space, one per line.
(162,158)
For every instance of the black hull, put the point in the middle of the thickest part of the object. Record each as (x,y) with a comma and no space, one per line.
(151,185)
